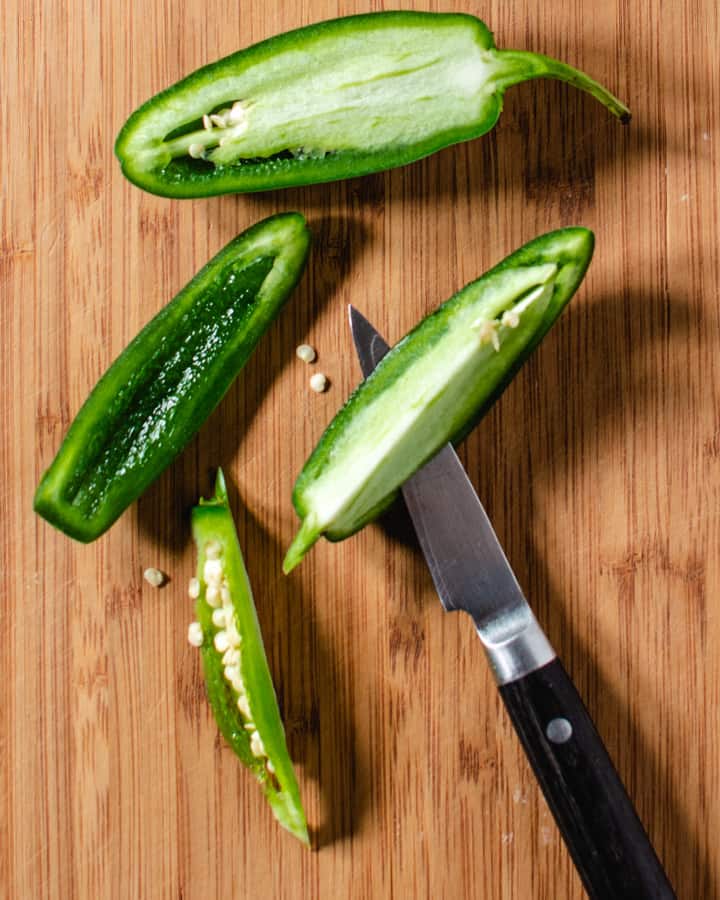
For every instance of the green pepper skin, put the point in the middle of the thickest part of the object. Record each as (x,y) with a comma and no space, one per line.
(333,100)
(160,390)
(213,526)
(434,386)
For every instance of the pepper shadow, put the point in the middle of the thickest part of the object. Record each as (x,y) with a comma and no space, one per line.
(596,376)
(163,510)
(313,688)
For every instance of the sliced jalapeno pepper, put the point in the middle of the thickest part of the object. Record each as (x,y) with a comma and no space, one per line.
(237,677)
(163,386)
(333,100)
(433,386)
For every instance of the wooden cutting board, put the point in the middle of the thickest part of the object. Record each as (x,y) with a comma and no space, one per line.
(599,468)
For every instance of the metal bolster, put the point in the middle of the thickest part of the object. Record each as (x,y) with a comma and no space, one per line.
(519,654)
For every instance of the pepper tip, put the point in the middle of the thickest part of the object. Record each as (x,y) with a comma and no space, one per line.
(304,539)
(221,494)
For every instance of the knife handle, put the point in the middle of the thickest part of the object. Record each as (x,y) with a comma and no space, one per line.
(598,822)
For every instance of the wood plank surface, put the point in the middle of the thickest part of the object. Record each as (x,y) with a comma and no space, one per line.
(599,468)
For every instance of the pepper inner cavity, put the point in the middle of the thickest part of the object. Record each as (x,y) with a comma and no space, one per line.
(227,641)
(489,328)
(218,129)
(153,398)
(379,88)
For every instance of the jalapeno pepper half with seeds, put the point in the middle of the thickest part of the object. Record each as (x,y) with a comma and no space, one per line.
(160,390)
(333,100)
(237,677)
(433,386)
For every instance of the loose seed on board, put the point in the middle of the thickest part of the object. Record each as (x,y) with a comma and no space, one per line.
(154,577)
(193,588)
(318,382)
(306,353)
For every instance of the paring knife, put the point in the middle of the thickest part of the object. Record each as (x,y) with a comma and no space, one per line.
(598,822)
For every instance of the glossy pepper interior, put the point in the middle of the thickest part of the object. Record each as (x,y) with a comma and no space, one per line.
(160,390)
(333,100)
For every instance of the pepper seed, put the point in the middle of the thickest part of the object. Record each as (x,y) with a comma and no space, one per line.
(319,382)
(195,634)
(154,577)
(306,353)
(221,641)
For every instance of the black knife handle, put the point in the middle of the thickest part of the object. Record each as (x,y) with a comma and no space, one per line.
(598,822)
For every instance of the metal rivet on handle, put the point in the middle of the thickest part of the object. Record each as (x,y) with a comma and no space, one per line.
(558,731)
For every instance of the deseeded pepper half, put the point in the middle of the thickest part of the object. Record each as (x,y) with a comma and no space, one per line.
(434,386)
(237,677)
(333,100)
(160,390)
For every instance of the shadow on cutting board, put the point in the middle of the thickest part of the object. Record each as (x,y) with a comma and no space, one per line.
(595,379)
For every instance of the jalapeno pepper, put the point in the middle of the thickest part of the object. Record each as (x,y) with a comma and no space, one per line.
(159,391)
(333,100)
(434,386)
(237,677)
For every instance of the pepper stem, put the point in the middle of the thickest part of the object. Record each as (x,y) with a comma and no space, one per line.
(515,66)
(304,539)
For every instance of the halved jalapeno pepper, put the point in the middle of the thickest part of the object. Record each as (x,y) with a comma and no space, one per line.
(162,387)
(333,100)
(434,386)
(237,677)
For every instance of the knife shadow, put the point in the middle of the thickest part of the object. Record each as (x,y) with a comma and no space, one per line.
(548,439)
(313,688)
(162,511)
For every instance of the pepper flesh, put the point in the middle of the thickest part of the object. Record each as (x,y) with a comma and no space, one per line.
(334,100)
(434,386)
(216,539)
(159,391)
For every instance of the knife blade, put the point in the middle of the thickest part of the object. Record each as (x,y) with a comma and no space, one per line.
(607,841)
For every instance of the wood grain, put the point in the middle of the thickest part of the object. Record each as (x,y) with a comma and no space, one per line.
(599,468)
